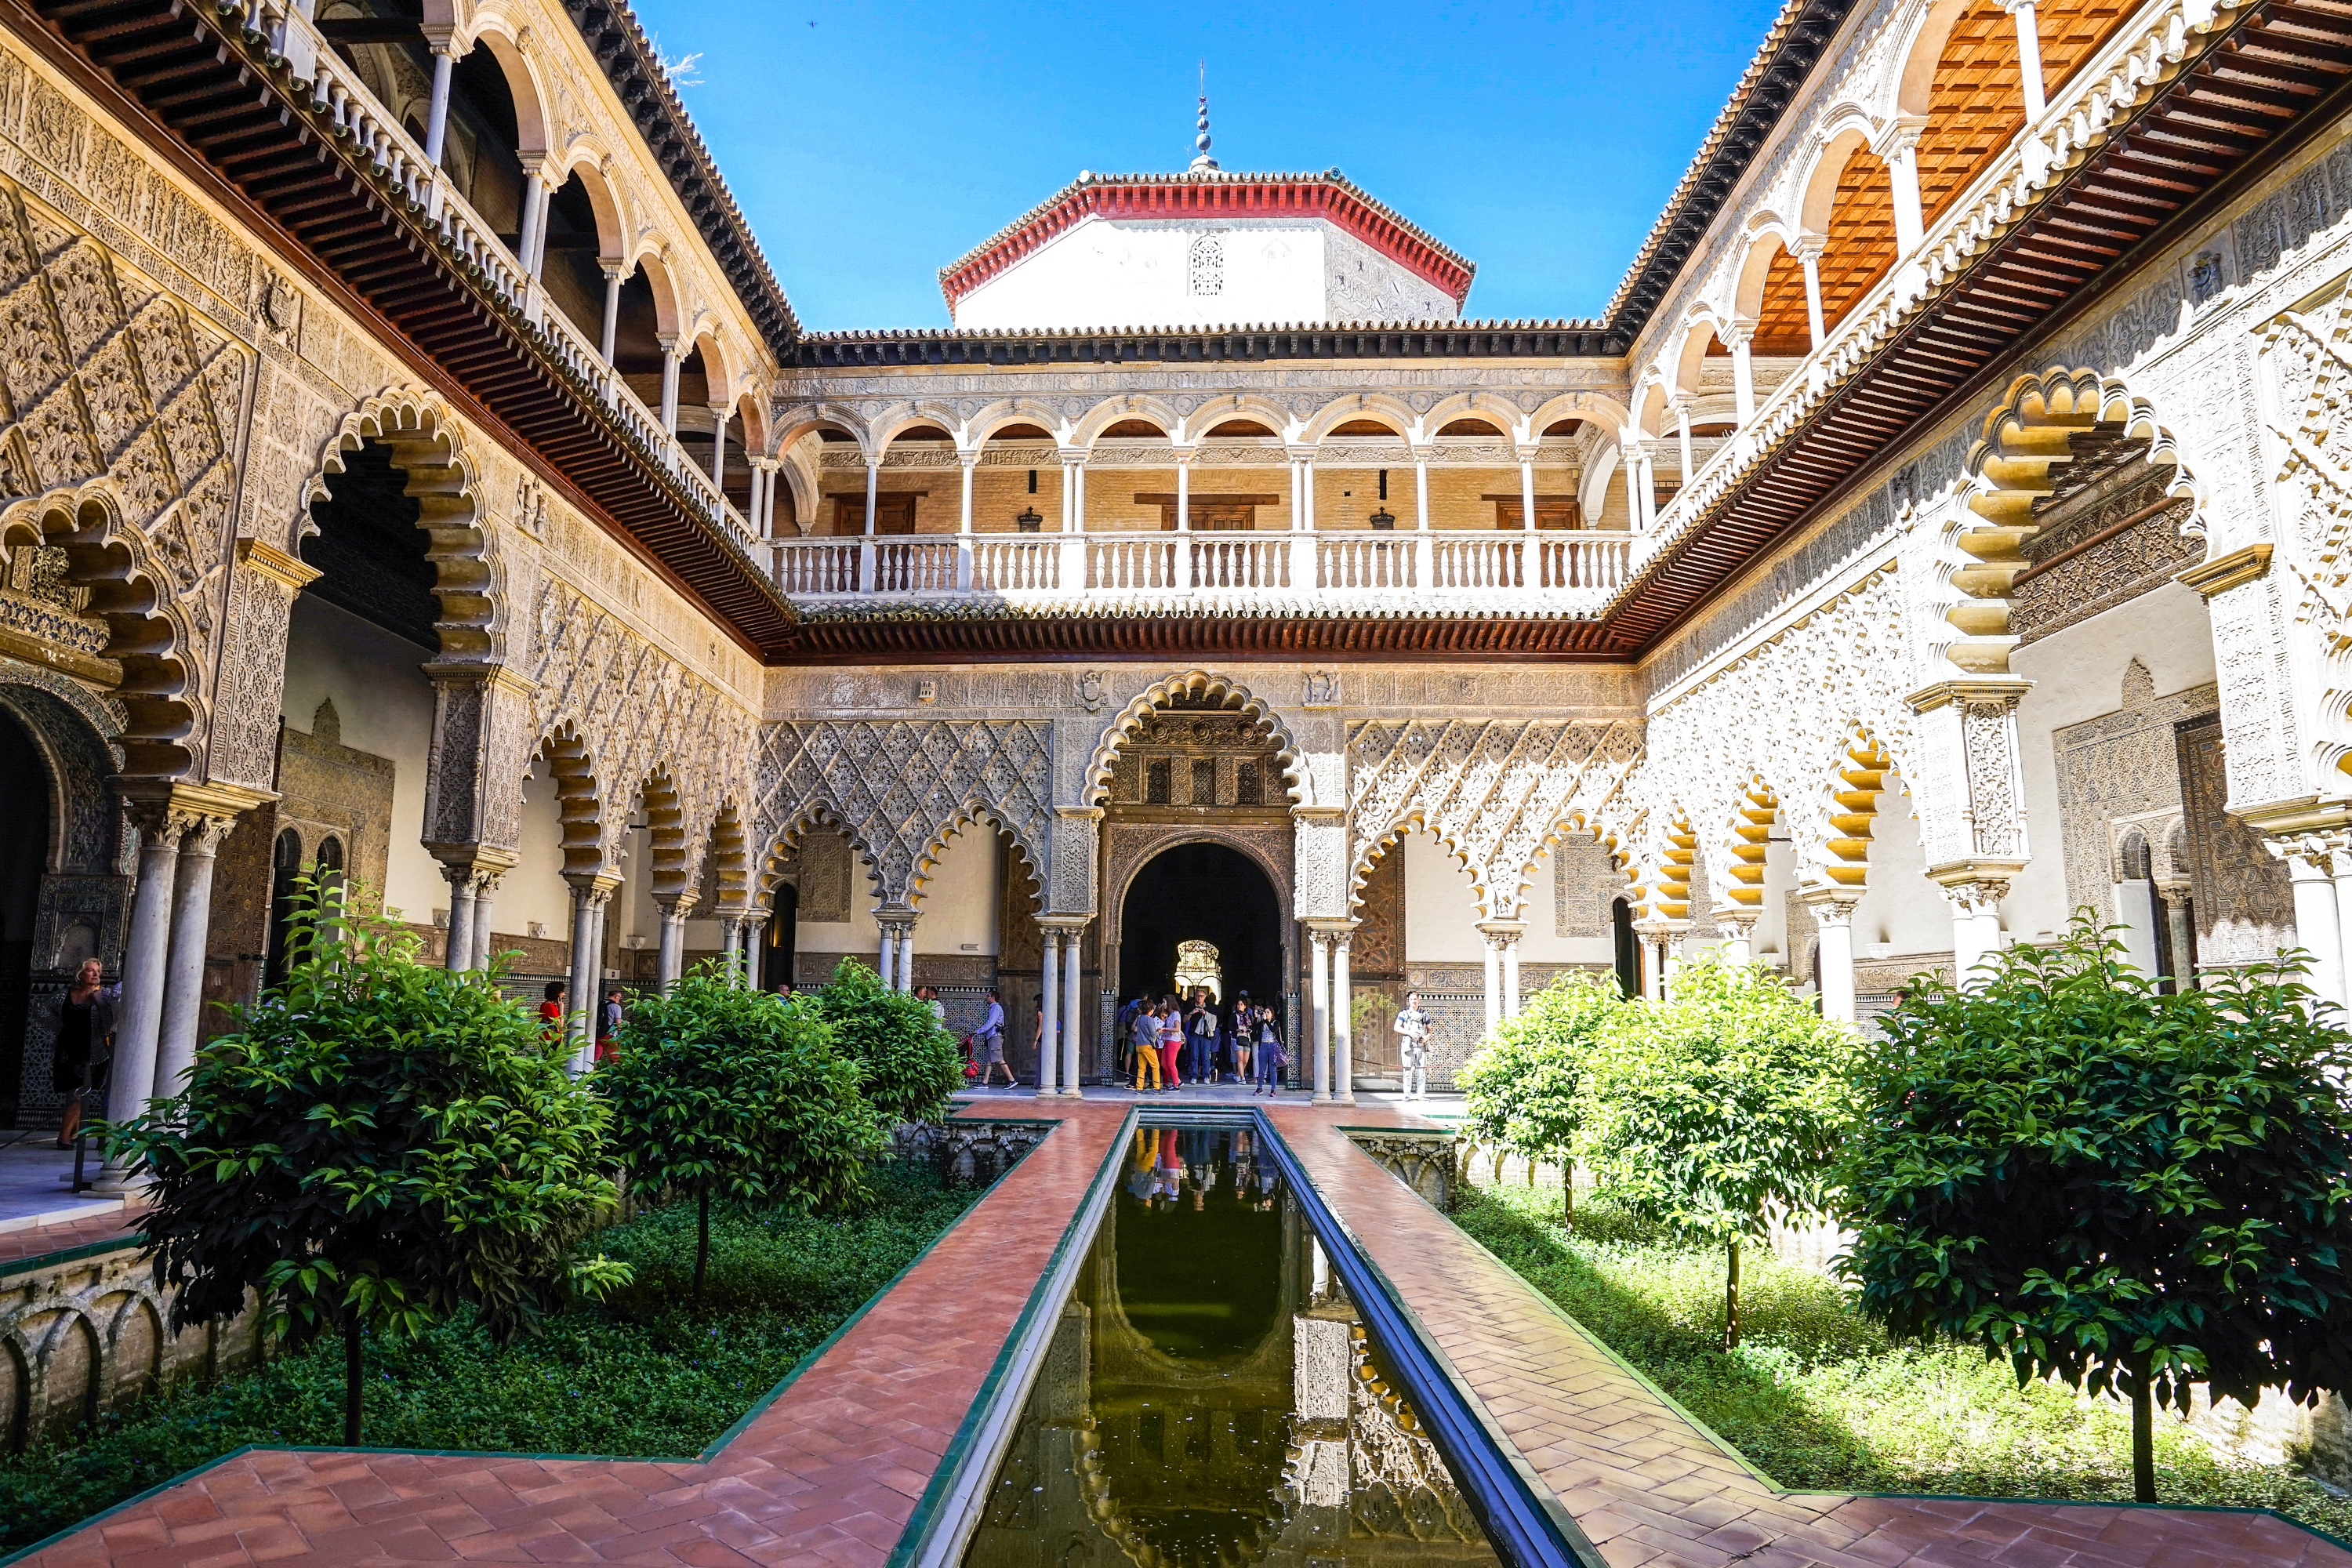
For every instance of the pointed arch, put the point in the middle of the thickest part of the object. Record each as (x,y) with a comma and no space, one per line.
(428,444)
(1199,685)
(969,815)
(810,816)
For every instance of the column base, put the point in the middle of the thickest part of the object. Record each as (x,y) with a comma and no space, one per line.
(1073,1094)
(125,1185)
(1049,1094)
(1320,1099)
(1343,1099)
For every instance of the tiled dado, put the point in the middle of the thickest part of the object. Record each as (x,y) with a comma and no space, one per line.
(1650,1489)
(831,1472)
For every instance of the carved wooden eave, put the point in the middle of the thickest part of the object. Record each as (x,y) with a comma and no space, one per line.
(635,69)
(904,634)
(1552,340)
(214,100)
(2239,100)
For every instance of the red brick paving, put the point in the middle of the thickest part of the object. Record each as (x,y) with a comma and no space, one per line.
(1652,1491)
(35,1240)
(829,1475)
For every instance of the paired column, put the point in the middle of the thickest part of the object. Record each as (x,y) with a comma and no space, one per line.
(486,883)
(719,414)
(2312,859)
(1494,957)
(590,892)
(531,245)
(967,461)
(1319,1001)
(1343,1023)
(1049,1038)
(1073,1010)
(472,871)
(184,976)
(669,959)
(1833,911)
(754,927)
(1681,407)
(865,543)
(1629,463)
(1967,726)
(1183,520)
(898,948)
(731,948)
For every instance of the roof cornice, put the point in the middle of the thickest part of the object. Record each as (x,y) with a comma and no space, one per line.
(1791,50)
(1328,195)
(635,69)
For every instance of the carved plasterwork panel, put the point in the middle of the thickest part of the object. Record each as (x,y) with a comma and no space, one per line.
(109,385)
(2118,765)
(1494,792)
(638,712)
(1785,713)
(2243,902)
(900,789)
(1584,881)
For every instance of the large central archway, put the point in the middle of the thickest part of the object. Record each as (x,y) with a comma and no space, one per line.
(1202,891)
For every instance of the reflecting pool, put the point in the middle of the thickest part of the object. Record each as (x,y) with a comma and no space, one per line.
(1211,1397)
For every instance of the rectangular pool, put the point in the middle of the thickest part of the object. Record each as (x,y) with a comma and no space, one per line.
(1211,1397)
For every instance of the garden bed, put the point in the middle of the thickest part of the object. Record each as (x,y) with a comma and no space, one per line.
(646,1374)
(1820,1399)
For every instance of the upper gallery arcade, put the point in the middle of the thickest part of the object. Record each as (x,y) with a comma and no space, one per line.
(413,468)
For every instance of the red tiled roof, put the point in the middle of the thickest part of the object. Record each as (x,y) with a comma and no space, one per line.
(1329,194)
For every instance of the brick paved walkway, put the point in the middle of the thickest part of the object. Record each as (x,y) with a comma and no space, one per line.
(830,1474)
(1651,1490)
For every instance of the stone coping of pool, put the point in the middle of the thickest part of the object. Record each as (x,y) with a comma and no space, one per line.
(831,1468)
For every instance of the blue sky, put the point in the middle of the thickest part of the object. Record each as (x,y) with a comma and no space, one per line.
(872,145)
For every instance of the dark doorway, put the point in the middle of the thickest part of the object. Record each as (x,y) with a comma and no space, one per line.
(1201,892)
(284,876)
(783,928)
(1629,949)
(24,856)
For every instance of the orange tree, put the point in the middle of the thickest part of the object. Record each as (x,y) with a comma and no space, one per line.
(376,1143)
(1519,1089)
(721,1091)
(906,1065)
(2129,1191)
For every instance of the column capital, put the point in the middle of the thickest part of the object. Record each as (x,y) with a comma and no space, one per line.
(668,341)
(189,805)
(594,885)
(1971,691)
(1807,247)
(1975,887)
(1072,456)
(2323,852)
(1527,450)
(677,906)
(1301,452)
(1740,917)
(1902,134)
(1073,924)
(1736,335)
(2015,7)
(1832,906)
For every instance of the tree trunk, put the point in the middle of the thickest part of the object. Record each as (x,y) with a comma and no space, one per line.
(1731,1295)
(2143,1437)
(701,1239)
(354,1377)
(1567,1195)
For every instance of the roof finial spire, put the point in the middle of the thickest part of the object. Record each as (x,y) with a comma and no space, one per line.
(1202,161)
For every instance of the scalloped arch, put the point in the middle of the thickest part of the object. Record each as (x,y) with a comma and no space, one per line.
(1202,684)
(428,444)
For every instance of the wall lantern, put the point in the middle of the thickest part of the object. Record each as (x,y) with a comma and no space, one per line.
(1383,519)
(1030,521)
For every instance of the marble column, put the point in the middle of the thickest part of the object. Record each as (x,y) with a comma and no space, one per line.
(587,896)
(144,964)
(614,272)
(669,959)
(1049,1009)
(730,949)
(2029,57)
(1833,914)
(1737,338)
(1808,251)
(754,929)
(1900,148)
(2176,895)
(1424,564)
(1319,1001)
(486,883)
(1073,1013)
(1510,940)
(2311,860)
(436,114)
(1343,1023)
(1683,439)
(184,982)
(457,950)
(1976,928)
(719,414)
(534,216)
(1494,979)
(1738,925)
(671,359)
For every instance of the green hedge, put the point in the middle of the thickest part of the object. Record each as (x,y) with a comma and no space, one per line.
(641,1374)
(1819,1398)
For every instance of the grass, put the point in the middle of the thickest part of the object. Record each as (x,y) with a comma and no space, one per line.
(642,1375)
(1819,1398)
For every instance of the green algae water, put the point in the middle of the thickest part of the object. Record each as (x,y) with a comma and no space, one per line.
(1210,1396)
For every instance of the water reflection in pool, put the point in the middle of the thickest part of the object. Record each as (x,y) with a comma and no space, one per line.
(1210,1396)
